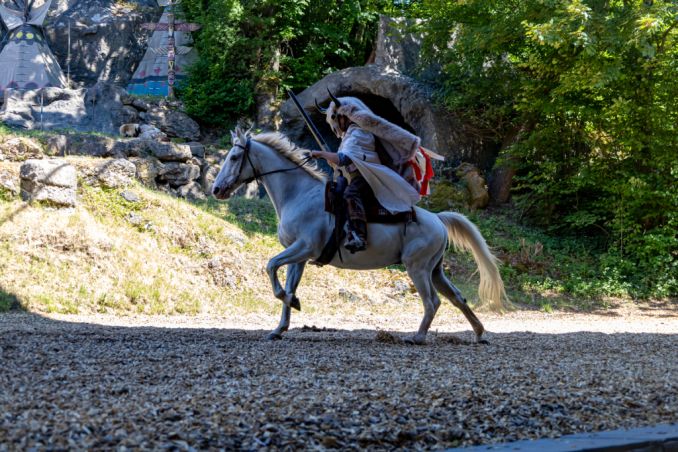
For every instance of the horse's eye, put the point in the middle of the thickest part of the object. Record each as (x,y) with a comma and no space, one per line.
(234,157)
(334,116)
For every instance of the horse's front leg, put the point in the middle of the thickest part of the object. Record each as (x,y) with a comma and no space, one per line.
(294,273)
(296,253)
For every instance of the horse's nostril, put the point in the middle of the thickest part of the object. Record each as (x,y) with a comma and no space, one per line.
(215,190)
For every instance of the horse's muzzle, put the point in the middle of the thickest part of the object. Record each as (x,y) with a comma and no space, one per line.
(220,192)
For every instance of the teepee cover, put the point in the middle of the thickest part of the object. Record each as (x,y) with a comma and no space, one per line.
(26,62)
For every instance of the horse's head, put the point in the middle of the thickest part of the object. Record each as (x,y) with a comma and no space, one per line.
(234,172)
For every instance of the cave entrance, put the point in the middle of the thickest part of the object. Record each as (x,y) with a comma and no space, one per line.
(381,106)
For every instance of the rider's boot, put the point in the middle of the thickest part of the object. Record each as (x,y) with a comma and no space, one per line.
(357,236)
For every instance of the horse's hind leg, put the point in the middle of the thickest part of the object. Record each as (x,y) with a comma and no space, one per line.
(444,286)
(294,273)
(421,278)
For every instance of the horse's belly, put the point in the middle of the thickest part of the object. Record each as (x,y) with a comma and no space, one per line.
(384,245)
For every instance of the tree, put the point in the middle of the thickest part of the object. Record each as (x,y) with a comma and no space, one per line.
(250,49)
(591,86)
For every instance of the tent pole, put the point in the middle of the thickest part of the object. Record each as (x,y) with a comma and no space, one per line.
(68,58)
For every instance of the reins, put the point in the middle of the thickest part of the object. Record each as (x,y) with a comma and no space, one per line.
(257,175)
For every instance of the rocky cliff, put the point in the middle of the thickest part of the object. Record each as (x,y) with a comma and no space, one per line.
(107,41)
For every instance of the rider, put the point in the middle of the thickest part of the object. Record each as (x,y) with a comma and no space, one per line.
(355,143)
(357,153)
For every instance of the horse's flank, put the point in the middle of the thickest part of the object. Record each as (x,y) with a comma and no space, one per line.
(285,147)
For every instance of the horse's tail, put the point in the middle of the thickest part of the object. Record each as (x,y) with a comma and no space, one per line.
(466,236)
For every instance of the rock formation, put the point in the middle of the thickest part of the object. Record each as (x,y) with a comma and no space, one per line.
(396,97)
(389,89)
(52,180)
(107,41)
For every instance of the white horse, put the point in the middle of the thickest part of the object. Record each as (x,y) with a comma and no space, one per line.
(297,191)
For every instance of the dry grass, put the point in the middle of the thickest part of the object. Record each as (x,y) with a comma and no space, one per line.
(164,256)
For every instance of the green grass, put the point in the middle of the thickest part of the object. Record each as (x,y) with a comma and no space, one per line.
(41,135)
(254,216)
(548,271)
(209,257)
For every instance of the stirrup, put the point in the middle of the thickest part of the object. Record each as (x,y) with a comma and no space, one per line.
(355,243)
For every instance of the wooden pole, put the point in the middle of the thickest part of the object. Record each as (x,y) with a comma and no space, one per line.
(171,51)
(68,58)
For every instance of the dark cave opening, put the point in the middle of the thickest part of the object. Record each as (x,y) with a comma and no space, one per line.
(379,105)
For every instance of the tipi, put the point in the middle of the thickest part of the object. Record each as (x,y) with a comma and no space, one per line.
(26,62)
(151,76)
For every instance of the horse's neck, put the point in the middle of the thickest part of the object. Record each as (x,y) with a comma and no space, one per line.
(285,187)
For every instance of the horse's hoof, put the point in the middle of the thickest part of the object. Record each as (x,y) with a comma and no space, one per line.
(292,301)
(414,340)
(274,337)
(482,341)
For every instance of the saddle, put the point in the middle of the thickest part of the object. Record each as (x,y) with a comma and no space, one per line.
(337,206)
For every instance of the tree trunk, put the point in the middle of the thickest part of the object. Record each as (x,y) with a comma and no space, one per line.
(501,178)
(265,97)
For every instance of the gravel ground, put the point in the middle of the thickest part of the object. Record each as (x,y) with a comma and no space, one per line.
(183,383)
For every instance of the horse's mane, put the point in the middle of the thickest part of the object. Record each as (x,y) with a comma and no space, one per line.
(285,147)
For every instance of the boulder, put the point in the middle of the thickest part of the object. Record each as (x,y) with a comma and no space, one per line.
(150,132)
(46,108)
(118,173)
(147,170)
(209,174)
(96,109)
(8,181)
(177,174)
(129,114)
(170,152)
(134,147)
(130,196)
(54,181)
(173,122)
(197,149)
(81,144)
(18,149)
(106,111)
(57,145)
(478,195)
(140,104)
(192,191)
(106,37)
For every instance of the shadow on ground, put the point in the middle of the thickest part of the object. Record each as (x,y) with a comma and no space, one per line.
(77,385)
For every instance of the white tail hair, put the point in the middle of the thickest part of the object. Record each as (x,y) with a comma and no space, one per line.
(466,236)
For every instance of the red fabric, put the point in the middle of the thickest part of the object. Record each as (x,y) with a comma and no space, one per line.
(428,175)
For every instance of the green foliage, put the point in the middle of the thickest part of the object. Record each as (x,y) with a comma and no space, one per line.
(254,216)
(542,269)
(588,87)
(249,47)
(8,302)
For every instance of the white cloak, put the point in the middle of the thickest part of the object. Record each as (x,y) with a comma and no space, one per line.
(393,192)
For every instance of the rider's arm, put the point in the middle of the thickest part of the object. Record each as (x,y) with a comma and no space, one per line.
(329,156)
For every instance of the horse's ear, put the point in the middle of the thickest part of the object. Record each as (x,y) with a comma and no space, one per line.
(234,135)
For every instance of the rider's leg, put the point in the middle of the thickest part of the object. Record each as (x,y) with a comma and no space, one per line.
(357,220)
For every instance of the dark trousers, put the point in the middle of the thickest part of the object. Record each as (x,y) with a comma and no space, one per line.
(356,190)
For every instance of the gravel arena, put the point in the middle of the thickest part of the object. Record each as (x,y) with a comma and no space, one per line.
(185,383)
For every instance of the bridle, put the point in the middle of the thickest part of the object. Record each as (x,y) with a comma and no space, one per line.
(257,176)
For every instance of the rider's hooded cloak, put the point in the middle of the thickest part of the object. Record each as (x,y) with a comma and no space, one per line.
(396,189)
